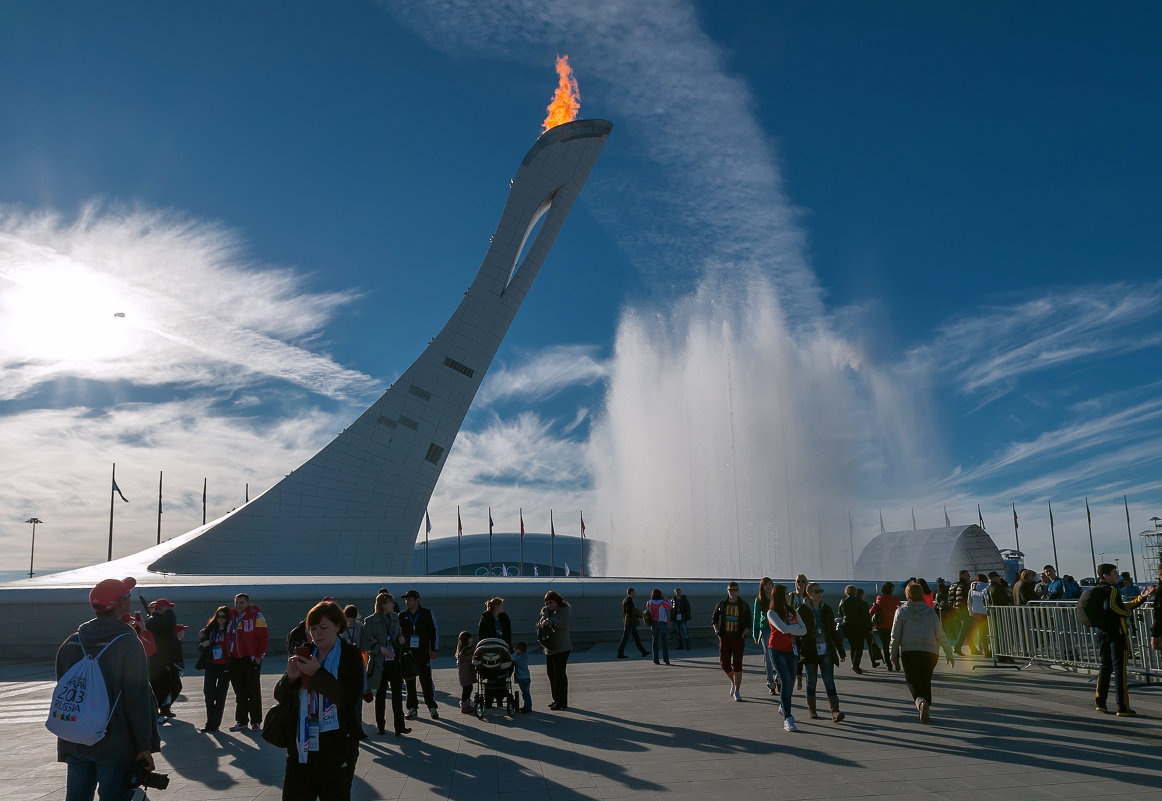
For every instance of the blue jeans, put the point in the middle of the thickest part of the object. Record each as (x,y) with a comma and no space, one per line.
(827,668)
(683,634)
(765,642)
(86,775)
(526,694)
(786,663)
(661,642)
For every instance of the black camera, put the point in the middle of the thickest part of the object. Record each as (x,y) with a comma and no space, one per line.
(144,777)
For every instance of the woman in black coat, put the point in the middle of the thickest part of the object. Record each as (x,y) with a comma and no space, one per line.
(327,678)
(820,649)
(494,622)
(857,625)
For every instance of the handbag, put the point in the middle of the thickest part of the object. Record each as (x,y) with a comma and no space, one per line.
(203,659)
(278,725)
(546,635)
(407,665)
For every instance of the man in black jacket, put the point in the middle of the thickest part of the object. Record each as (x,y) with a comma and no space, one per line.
(1113,641)
(960,619)
(422,638)
(681,618)
(630,617)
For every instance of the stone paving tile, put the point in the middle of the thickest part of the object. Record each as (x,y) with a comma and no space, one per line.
(637,731)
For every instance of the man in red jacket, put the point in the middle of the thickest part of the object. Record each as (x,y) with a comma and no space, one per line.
(248,638)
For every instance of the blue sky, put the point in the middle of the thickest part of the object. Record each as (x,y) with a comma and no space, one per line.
(927,236)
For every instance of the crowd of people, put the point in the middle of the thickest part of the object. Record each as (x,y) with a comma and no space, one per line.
(339,661)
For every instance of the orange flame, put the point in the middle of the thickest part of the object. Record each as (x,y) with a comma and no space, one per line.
(567,100)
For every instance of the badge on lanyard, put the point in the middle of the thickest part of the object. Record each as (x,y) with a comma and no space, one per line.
(312,735)
(217,652)
(415,641)
(821,648)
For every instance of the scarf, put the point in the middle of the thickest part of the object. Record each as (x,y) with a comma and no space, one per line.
(317,708)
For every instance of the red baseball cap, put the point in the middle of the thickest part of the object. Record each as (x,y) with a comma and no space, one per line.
(180,627)
(105,595)
(162,603)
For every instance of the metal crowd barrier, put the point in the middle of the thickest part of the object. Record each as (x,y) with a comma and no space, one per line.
(1048,634)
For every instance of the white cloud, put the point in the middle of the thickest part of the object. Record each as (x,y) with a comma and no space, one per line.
(195,311)
(543,375)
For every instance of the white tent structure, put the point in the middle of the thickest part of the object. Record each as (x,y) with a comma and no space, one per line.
(930,553)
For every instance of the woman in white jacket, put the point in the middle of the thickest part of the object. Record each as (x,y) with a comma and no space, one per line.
(917,638)
(786,628)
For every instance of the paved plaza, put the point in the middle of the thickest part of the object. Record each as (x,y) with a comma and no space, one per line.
(638,731)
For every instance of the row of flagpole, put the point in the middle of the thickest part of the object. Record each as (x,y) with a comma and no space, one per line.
(115,491)
(1017,530)
(521,513)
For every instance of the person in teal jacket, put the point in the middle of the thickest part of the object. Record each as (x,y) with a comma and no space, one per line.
(762,629)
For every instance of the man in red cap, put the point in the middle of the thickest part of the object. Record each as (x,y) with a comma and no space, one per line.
(132,735)
(249,638)
(162,623)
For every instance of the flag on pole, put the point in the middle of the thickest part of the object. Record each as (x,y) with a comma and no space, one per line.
(552,529)
(947,522)
(913,519)
(1016,525)
(536,571)
(882,529)
(522,524)
(581,570)
(1088,515)
(428,520)
(566,568)
(490,523)
(118,491)
(980,517)
(459,524)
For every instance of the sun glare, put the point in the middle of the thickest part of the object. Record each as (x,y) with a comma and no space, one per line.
(60,313)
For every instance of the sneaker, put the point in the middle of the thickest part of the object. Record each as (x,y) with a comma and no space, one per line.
(736,695)
(238,727)
(412,714)
(1102,709)
(789,724)
(1126,712)
(434,712)
(924,705)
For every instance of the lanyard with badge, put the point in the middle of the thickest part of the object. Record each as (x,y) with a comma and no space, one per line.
(820,641)
(414,617)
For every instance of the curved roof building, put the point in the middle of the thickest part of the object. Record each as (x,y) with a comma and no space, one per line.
(929,552)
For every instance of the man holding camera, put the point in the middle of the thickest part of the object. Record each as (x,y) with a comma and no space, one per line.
(131,737)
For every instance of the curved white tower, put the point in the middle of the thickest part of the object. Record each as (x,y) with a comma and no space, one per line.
(357,505)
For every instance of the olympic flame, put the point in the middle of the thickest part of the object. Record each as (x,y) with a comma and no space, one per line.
(567,100)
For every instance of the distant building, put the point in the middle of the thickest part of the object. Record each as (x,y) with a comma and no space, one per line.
(541,554)
(930,553)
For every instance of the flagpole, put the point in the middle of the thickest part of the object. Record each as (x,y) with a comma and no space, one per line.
(1016,527)
(111,486)
(1089,522)
(851,541)
(552,546)
(1130,536)
(490,540)
(159,477)
(247,491)
(1053,537)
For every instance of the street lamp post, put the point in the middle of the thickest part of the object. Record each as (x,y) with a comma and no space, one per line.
(32,556)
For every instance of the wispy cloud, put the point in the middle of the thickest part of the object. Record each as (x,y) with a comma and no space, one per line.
(546,373)
(988,351)
(192,309)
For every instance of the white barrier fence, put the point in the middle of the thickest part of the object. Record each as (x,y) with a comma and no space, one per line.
(1047,633)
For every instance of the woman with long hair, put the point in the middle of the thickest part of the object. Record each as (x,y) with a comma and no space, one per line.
(322,685)
(660,611)
(214,645)
(786,628)
(382,639)
(494,622)
(761,629)
(557,642)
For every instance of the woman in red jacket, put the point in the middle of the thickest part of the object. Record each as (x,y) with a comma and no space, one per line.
(883,614)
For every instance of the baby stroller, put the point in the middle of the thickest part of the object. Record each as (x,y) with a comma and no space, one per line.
(492,662)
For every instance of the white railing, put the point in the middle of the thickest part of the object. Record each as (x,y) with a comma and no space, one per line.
(1047,633)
